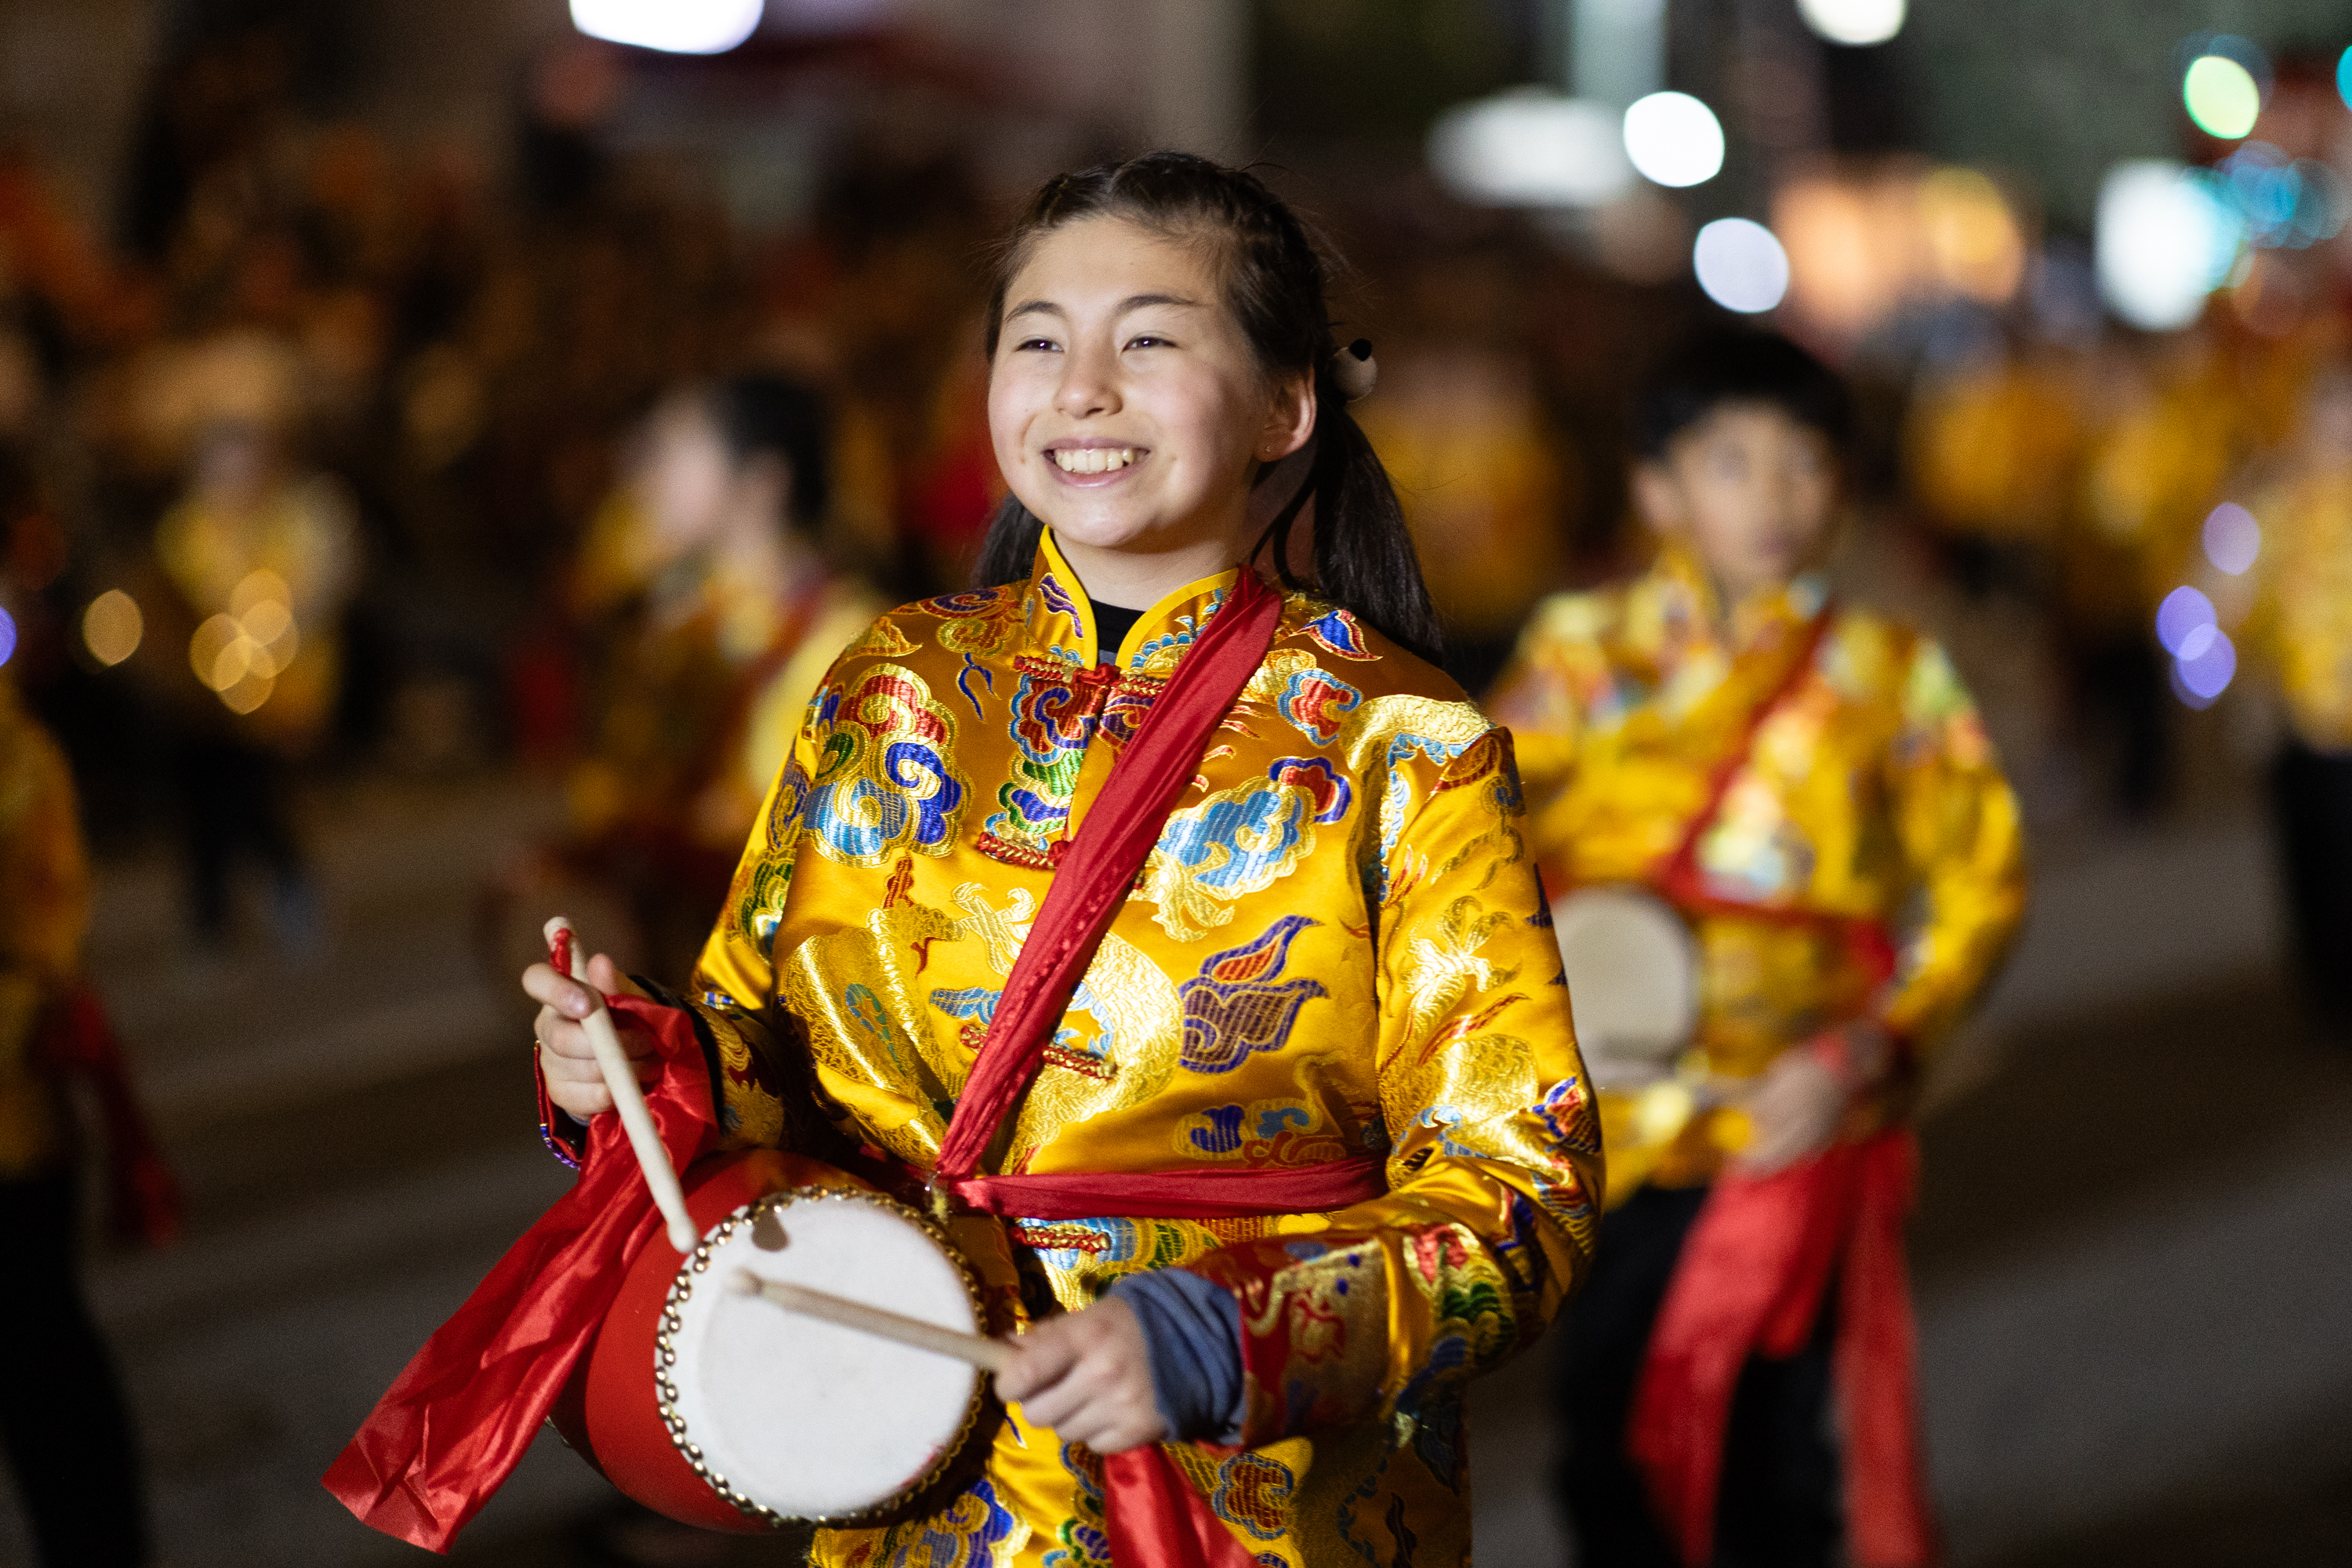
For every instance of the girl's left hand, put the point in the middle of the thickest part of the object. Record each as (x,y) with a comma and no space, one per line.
(1087,1376)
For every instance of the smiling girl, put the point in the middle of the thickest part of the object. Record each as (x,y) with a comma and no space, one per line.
(1319,1067)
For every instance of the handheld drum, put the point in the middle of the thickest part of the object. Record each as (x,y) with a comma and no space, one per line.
(813,1355)
(1632,982)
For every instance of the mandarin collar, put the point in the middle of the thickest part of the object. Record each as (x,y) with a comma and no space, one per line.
(1761,616)
(1061,620)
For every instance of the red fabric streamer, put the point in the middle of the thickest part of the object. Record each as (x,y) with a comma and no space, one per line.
(1095,874)
(1750,1281)
(78,1041)
(455,1422)
(1156,1520)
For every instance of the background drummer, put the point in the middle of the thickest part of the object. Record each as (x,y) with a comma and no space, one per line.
(1867,800)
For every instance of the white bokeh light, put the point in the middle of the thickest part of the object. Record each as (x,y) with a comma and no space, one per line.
(1853,21)
(2233,539)
(2207,663)
(673,26)
(1533,149)
(1674,138)
(2165,242)
(1741,265)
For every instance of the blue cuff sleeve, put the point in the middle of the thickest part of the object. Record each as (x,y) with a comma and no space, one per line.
(1193,1331)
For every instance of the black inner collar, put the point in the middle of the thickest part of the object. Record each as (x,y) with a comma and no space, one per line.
(1112,623)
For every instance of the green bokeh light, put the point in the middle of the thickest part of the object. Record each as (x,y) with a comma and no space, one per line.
(2221,96)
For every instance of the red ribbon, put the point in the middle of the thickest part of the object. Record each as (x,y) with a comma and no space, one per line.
(1750,1281)
(77,1040)
(455,1422)
(1094,876)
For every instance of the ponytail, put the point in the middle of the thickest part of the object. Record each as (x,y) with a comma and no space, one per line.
(1275,276)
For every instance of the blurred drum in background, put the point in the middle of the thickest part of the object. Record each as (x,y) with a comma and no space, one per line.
(1632,982)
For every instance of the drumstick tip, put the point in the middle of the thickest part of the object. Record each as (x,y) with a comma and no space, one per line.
(555,923)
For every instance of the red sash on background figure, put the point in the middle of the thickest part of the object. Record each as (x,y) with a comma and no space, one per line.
(1758,1263)
(458,1421)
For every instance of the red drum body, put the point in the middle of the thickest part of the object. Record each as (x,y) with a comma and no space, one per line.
(724,1411)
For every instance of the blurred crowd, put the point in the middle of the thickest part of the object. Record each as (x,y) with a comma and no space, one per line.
(331,453)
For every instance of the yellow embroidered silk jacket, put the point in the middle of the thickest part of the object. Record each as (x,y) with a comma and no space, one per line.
(44,897)
(1871,784)
(1338,947)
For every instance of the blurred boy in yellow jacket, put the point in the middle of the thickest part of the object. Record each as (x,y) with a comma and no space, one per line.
(1795,777)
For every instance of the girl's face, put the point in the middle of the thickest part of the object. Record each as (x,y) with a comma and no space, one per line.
(1127,408)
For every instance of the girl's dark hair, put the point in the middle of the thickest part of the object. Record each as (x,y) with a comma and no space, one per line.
(767,415)
(1738,364)
(1275,276)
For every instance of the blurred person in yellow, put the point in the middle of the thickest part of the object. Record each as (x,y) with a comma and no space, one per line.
(63,1421)
(1785,777)
(2279,573)
(2172,424)
(256,562)
(717,615)
(1288,1137)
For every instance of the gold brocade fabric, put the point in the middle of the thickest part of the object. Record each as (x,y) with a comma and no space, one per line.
(2299,594)
(1337,948)
(1870,787)
(44,897)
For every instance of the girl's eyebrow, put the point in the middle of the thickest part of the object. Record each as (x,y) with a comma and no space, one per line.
(1132,302)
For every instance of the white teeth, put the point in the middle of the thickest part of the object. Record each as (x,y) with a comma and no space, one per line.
(1092,459)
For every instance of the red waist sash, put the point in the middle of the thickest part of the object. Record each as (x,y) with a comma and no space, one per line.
(1174,1195)
(1750,1281)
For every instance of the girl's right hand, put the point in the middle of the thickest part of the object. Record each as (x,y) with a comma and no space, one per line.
(575,1084)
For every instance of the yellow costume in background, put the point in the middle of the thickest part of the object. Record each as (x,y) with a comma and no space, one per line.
(707,675)
(1337,948)
(44,899)
(1870,782)
(2294,603)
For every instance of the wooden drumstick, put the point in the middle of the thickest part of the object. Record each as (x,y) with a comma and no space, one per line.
(621,1077)
(988,1355)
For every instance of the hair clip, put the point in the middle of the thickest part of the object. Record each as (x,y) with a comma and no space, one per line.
(1355,370)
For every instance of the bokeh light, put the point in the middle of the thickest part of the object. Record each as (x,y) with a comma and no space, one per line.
(2221,96)
(1977,246)
(1674,138)
(1853,21)
(2184,610)
(2204,670)
(112,627)
(1741,265)
(1531,148)
(241,654)
(2231,537)
(2282,202)
(673,26)
(2344,77)
(2165,240)
(7,637)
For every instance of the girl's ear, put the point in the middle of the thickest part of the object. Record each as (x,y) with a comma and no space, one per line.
(1289,421)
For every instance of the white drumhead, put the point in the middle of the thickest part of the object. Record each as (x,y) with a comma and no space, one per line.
(1633,978)
(801,1417)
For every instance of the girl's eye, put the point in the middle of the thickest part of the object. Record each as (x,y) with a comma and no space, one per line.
(1033,345)
(1149,342)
